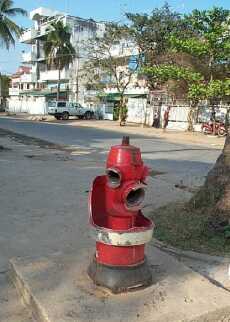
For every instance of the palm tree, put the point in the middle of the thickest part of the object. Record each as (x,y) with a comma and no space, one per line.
(8,28)
(58,49)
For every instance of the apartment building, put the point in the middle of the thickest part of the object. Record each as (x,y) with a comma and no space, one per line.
(36,84)
(40,83)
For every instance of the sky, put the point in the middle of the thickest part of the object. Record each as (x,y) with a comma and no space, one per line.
(105,10)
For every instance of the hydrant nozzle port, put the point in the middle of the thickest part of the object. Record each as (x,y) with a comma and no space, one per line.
(135,197)
(114,178)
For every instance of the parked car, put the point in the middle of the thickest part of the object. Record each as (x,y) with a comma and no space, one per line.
(62,110)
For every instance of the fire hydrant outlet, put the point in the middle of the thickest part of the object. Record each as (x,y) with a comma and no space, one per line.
(114,178)
(134,197)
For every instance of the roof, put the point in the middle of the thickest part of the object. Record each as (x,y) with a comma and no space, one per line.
(20,71)
(36,14)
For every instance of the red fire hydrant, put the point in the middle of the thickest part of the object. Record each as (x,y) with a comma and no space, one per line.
(118,225)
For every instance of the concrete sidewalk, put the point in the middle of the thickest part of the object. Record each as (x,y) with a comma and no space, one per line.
(44,221)
(169,135)
(57,289)
(44,206)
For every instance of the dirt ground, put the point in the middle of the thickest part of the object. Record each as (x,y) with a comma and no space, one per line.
(133,128)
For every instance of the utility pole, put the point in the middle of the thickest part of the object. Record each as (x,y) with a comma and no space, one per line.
(77,76)
(0,90)
(77,64)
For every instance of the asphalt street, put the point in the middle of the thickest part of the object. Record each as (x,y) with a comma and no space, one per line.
(43,211)
(180,163)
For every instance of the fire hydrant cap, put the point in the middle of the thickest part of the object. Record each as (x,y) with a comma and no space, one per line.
(124,154)
(125,140)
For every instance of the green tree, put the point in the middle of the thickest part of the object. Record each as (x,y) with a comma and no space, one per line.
(151,32)
(9,29)
(58,49)
(106,66)
(209,41)
(152,35)
(4,90)
(206,44)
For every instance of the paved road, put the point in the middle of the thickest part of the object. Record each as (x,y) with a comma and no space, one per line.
(44,211)
(180,162)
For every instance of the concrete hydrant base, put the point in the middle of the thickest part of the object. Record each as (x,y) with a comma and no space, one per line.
(120,279)
(58,289)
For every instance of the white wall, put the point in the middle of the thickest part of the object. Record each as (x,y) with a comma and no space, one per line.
(138,111)
(30,105)
(179,113)
(178,117)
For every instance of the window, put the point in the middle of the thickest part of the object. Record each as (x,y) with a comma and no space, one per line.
(61,104)
(78,29)
(78,105)
(108,109)
(52,104)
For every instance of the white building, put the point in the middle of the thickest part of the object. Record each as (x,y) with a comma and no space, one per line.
(40,84)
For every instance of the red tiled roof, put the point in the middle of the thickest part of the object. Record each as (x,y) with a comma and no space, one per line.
(21,70)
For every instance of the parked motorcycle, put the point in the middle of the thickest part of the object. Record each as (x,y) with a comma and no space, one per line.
(208,128)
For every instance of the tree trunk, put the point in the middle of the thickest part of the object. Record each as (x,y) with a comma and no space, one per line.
(215,194)
(59,82)
(227,119)
(122,112)
(191,118)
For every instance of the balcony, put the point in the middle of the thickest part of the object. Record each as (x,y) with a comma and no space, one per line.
(28,57)
(14,91)
(28,78)
(52,75)
(45,28)
(124,50)
(41,54)
(129,91)
(28,36)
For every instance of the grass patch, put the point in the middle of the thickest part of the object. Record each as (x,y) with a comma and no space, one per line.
(179,226)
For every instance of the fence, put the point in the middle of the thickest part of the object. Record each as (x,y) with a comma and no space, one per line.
(139,111)
(30,105)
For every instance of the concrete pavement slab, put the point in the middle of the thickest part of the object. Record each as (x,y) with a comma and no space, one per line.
(44,209)
(58,289)
(11,309)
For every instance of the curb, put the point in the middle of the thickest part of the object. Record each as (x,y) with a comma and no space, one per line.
(26,295)
(190,254)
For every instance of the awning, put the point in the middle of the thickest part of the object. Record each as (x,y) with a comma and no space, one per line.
(41,93)
(116,96)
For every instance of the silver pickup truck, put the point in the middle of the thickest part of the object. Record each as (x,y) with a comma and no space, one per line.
(62,110)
